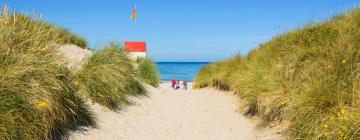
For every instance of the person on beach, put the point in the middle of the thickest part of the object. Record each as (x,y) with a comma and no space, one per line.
(173,83)
(177,86)
(180,84)
(184,85)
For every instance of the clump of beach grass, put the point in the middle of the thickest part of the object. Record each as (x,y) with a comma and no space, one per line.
(108,77)
(37,96)
(147,71)
(308,78)
(55,34)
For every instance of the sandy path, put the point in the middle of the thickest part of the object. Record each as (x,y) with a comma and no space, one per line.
(204,114)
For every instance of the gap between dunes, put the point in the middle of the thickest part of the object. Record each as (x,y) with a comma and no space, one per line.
(166,114)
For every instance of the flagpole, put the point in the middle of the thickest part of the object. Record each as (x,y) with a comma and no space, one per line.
(134,16)
(135,27)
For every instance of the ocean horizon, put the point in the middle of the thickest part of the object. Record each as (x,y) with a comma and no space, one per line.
(179,70)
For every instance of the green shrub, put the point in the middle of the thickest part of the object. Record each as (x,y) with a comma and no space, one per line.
(147,71)
(108,76)
(308,77)
(37,97)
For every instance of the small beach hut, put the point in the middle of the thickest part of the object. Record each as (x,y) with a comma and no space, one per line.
(135,49)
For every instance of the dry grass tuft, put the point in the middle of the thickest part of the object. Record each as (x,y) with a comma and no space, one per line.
(148,72)
(108,77)
(309,77)
(37,97)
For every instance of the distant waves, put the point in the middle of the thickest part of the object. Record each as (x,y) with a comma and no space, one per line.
(179,70)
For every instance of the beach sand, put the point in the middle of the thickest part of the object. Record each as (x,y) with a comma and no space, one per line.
(166,114)
(74,56)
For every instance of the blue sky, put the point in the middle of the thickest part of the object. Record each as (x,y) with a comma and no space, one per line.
(183,30)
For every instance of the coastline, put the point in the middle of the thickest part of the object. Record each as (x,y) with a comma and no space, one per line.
(179,70)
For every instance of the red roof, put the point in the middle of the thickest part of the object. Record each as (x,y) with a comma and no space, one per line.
(135,46)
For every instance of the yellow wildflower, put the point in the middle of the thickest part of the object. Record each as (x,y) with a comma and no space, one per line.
(282,103)
(342,111)
(344,61)
(325,126)
(42,104)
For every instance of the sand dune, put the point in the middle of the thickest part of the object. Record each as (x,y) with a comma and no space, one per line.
(205,114)
(74,55)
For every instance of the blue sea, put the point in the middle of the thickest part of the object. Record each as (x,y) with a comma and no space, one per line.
(179,70)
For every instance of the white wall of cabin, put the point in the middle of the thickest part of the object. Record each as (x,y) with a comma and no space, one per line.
(136,55)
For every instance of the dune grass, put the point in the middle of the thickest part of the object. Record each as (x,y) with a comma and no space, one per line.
(37,97)
(108,77)
(56,34)
(308,78)
(148,72)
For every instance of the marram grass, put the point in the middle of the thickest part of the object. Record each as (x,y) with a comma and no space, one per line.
(37,97)
(55,34)
(108,77)
(40,98)
(147,71)
(308,78)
